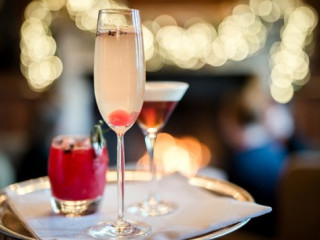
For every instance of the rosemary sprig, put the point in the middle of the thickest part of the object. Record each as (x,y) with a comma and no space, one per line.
(97,140)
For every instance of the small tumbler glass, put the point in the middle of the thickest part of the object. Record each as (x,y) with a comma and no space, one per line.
(77,174)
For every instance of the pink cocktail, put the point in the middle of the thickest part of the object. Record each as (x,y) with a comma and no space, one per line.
(77,174)
(119,80)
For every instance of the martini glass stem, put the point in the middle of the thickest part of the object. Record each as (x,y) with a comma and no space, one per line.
(150,140)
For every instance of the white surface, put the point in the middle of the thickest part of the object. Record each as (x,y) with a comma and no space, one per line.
(199,211)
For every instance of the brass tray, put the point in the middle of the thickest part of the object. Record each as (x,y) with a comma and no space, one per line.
(11,227)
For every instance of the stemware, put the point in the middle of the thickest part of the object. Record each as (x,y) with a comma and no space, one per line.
(161,98)
(119,82)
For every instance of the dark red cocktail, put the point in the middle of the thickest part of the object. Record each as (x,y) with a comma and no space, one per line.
(154,114)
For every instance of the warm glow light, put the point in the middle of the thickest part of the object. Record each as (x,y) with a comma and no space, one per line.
(38,63)
(43,47)
(198,43)
(148,42)
(55,5)
(218,48)
(289,61)
(31,29)
(265,8)
(281,81)
(165,20)
(216,56)
(242,50)
(79,6)
(201,35)
(42,74)
(243,15)
(198,65)
(186,155)
(281,95)
(176,158)
(274,14)
(303,18)
(302,81)
(286,6)
(37,10)
(292,38)
(155,63)
(191,46)
(256,27)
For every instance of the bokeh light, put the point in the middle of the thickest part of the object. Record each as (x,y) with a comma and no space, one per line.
(55,5)
(288,58)
(192,45)
(38,63)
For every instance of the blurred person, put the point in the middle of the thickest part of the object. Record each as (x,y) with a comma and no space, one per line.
(256,130)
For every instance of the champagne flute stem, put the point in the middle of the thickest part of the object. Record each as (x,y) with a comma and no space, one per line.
(120,176)
(150,140)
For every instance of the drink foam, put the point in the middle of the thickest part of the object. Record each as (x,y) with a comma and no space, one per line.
(165,90)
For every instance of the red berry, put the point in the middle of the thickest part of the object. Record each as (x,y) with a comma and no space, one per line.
(120,118)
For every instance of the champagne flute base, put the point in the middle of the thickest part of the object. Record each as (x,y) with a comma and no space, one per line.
(119,229)
(152,208)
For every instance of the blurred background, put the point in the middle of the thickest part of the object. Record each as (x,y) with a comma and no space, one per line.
(251,112)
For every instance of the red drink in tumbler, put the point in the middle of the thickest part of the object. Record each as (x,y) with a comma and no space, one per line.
(77,174)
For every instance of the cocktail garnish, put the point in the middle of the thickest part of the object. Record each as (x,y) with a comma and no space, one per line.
(69,149)
(97,139)
(120,118)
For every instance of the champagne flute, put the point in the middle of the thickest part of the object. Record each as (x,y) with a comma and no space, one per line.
(161,98)
(119,82)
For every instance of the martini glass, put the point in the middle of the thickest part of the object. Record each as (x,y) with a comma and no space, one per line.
(119,85)
(161,98)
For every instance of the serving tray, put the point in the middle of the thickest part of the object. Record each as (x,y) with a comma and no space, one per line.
(11,227)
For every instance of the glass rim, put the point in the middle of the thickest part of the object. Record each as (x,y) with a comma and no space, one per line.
(70,136)
(179,84)
(118,10)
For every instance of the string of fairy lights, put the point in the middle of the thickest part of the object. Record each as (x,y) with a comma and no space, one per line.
(192,46)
